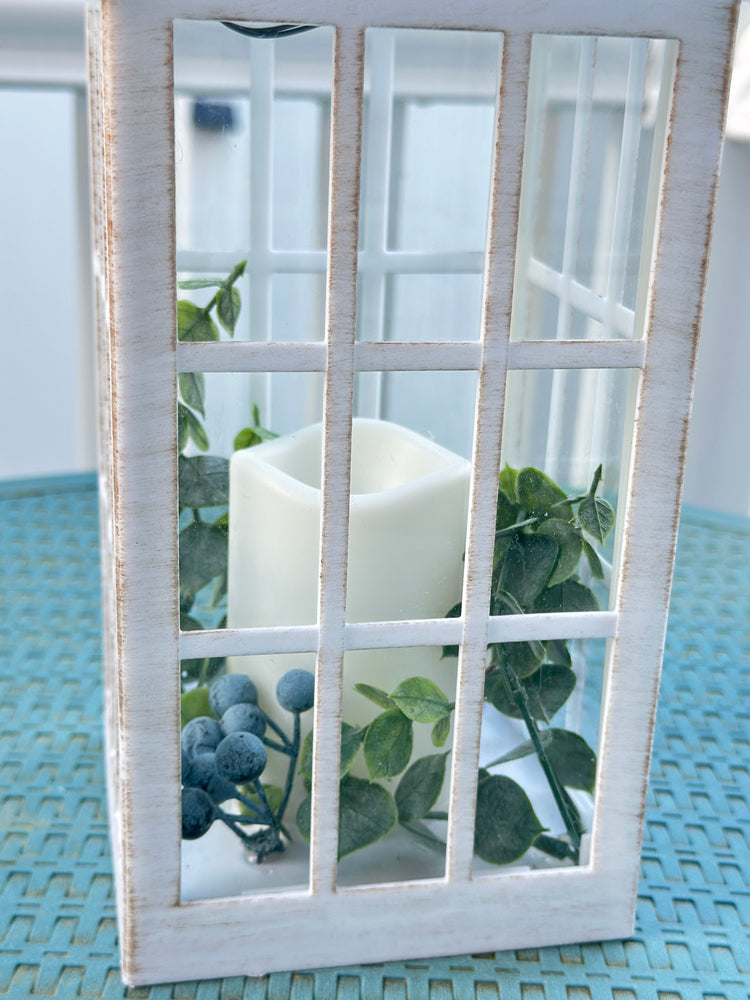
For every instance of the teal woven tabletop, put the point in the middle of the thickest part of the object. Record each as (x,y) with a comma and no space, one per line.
(58,935)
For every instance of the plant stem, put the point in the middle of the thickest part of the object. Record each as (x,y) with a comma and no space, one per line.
(279,732)
(290,773)
(568,811)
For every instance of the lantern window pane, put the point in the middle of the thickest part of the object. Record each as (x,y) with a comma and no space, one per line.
(252,121)
(538,755)
(398,732)
(595,142)
(234,509)
(221,862)
(565,424)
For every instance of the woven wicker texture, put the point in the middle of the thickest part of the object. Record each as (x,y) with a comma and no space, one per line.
(57,918)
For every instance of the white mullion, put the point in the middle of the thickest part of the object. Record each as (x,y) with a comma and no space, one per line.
(380,55)
(466,355)
(397,634)
(341,312)
(496,309)
(583,299)
(581,127)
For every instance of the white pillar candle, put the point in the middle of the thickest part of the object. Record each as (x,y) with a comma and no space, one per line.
(407,534)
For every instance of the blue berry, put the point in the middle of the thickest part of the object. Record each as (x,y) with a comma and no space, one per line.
(197,813)
(231,689)
(243,717)
(201,735)
(296,690)
(240,757)
(202,769)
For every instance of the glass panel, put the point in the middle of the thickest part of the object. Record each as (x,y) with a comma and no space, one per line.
(242,743)
(429,122)
(564,425)
(538,753)
(397,740)
(434,307)
(595,141)
(249,498)
(252,137)
(410,493)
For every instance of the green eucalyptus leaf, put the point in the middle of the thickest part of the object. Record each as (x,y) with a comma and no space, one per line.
(569,756)
(507,511)
(193,389)
(203,481)
(274,797)
(597,517)
(194,323)
(351,740)
(527,566)
(367,813)
(248,437)
(540,496)
(455,612)
(194,704)
(388,744)
(220,589)
(508,480)
(424,836)
(183,435)
(228,308)
(375,695)
(570,546)
(196,431)
(558,652)
(546,691)
(420,787)
(597,478)
(506,824)
(572,759)
(421,700)
(440,731)
(523,658)
(595,563)
(203,555)
(191,283)
(568,596)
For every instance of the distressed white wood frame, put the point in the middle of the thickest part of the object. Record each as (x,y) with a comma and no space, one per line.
(162,939)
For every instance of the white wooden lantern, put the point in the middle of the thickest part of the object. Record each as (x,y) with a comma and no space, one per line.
(563,287)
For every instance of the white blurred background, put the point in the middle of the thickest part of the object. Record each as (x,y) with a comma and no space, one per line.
(47,389)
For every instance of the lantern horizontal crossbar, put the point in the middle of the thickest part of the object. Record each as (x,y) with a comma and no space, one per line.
(621,334)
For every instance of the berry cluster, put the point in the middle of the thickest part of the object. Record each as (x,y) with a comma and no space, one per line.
(223,758)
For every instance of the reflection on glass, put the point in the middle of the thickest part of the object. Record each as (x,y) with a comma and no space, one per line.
(242,747)
(429,120)
(595,139)
(252,138)
(395,764)
(437,405)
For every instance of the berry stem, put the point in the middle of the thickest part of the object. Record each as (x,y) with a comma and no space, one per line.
(292,767)
(279,732)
